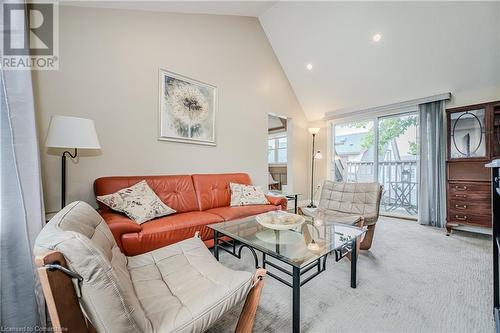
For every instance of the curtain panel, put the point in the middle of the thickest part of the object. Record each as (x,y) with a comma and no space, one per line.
(22,306)
(432,170)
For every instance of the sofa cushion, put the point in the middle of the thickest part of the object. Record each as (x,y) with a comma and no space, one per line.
(246,195)
(213,190)
(231,213)
(176,192)
(183,288)
(168,230)
(139,202)
(108,296)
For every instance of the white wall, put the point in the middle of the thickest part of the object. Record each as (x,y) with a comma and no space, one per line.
(109,61)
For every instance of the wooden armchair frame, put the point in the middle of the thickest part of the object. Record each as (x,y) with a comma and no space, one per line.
(65,312)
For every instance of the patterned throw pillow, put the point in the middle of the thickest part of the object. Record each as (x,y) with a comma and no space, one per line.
(139,202)
(244,195)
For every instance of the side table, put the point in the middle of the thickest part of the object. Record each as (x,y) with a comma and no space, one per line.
(289,196)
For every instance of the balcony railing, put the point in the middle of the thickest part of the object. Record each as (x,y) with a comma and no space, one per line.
(399,179)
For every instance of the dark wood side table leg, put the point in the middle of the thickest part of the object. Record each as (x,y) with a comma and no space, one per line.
(296,300)
(296,204)
(216,245)
(354,260)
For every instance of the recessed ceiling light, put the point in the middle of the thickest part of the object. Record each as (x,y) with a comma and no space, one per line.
(309,67)
(376,38)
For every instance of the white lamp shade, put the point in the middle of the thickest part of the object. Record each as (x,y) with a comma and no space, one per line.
(72,132)
(314,130)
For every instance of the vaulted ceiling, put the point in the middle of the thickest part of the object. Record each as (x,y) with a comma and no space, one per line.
(425,48)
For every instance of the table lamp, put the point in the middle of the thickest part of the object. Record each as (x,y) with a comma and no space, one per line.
(70,133)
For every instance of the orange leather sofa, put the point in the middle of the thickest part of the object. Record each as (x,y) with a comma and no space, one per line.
(199,200)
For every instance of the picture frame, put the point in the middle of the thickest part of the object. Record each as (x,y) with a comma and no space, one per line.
(187,109)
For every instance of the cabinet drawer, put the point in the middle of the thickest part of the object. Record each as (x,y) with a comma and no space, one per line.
(461,218)
(469,191)
(482,206)
(467,215)
(468,171)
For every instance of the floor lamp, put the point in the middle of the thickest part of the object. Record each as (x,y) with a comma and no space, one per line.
(70,133)
(316,155)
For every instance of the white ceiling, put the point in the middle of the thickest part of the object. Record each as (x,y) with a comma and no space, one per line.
(239,8)
(426,48)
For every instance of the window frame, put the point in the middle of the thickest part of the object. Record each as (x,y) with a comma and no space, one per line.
(276,137)
(367,116)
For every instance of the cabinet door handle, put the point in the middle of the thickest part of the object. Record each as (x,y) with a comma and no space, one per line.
(461,218)
(461,188)
(461,195)
(461,206)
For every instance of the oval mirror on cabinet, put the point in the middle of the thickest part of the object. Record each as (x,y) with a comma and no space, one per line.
(468,134)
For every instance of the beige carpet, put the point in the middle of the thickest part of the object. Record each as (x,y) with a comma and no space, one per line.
(414,279)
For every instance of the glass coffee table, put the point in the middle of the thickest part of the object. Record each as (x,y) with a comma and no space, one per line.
(293,257)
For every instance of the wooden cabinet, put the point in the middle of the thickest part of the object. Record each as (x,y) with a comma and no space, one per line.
(473,141)
(495,178)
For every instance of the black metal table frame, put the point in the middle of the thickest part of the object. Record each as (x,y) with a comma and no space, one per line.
(232,248)
(295,198)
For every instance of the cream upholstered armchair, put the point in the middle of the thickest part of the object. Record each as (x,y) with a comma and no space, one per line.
(178,288)
(347,202)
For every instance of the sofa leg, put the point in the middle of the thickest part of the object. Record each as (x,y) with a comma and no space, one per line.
(247,316)
(366,244)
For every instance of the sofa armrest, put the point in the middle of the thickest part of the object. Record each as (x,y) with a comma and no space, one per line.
(119,225)
(277,201)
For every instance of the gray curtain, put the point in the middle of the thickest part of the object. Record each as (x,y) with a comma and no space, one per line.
(431,192)
(21,208)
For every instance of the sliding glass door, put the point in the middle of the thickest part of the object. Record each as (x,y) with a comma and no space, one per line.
(383,149)
(354,152)
(397,163)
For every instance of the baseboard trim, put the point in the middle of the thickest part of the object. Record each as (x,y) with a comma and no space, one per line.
(477,230)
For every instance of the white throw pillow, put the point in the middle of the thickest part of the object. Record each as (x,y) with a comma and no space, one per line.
(243,195)
(139,202)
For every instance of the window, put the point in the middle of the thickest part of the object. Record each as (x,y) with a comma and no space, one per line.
(354,152)
(384,148)
(277,146)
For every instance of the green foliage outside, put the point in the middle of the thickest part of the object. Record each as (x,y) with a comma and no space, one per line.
(389,129)
(413,148)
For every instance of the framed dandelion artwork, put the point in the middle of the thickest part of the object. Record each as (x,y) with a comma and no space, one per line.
(187,109)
